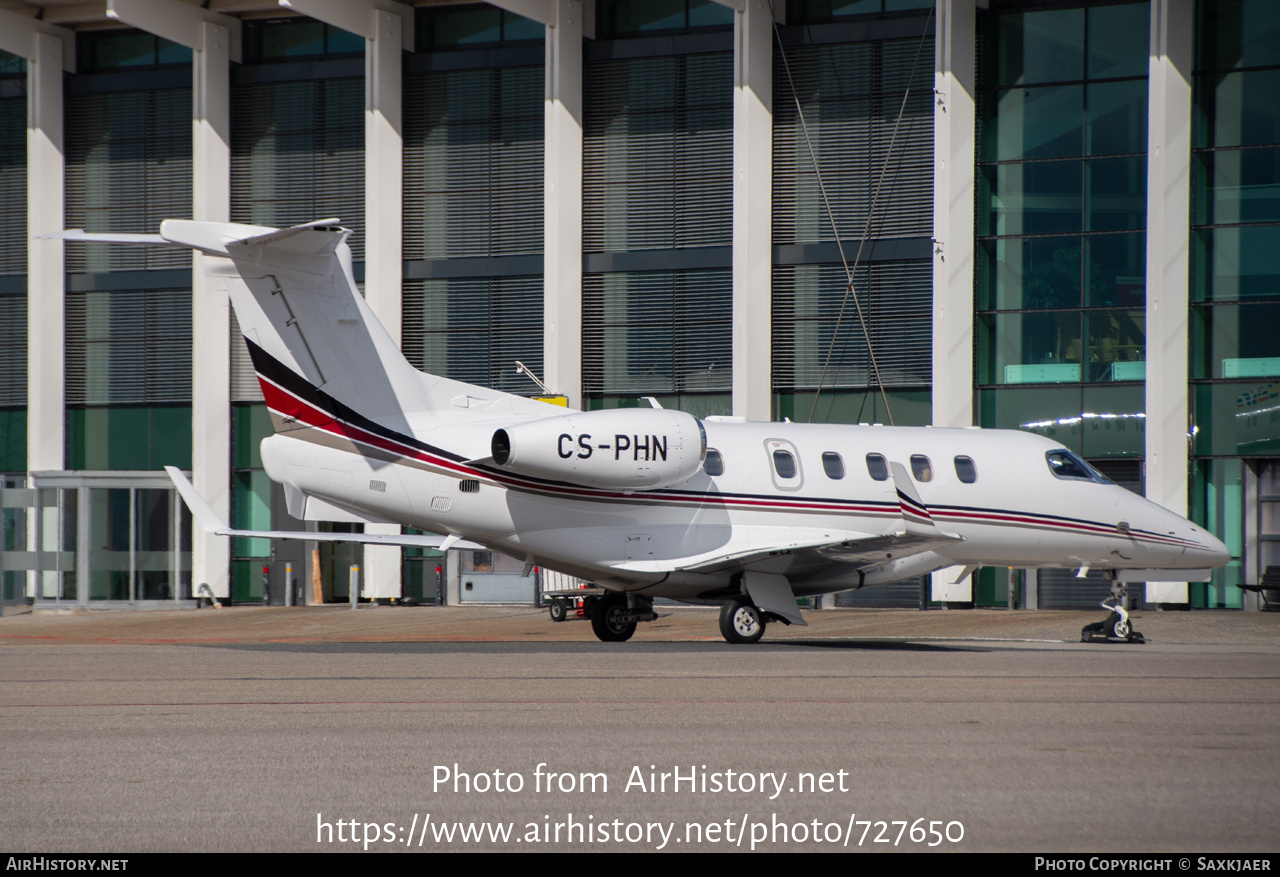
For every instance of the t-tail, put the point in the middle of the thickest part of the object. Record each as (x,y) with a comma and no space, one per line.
(315,344)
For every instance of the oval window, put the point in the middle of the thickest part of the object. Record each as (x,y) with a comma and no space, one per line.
(714,464)
(833,465)
(966,471)
(877,468)
(921,468)
(784,464)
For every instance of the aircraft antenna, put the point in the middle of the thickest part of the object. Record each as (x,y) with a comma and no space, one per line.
(866,231)
(522,369)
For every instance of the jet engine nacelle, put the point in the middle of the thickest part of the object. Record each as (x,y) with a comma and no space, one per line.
(620,448)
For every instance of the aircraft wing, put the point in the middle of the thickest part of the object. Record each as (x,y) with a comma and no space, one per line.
(757,548)
(209,521)
(750,550)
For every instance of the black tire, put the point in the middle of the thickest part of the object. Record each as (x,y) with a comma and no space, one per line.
(740,622)
(606,623)
(558,610)
(1121,629)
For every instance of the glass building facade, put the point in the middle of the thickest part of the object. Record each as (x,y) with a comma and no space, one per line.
(1060,320)
(1062,163)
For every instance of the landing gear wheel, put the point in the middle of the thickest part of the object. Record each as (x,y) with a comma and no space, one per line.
(740,622)
(1121,628)
(558,610)
(607,620)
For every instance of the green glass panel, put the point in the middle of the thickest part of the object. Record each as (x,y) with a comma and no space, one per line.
(1030,273)
(635,16)
(250,424)
(170,429)
(1119,40)
(1117,345)
(13,440)
(1116,117)
(1237,263)
(246,581)
(1238,185)
(250,510)
(904,5)
(1117,193)
(708,13)
(1217,505)
(1117,269)
(1238,33)
(116,49)
(1037,198)
(516,27)
(907,407)
(338,41)
(172,53)
(1238,109)
(1053,412)
(1032,47)
(1237,419)
(1027,123)
(12,64)
(460,27)
(1112,423)
(1030,348)
(1237,341)
(266,40)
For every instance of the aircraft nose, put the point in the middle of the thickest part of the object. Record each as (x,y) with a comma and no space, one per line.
(1218,551)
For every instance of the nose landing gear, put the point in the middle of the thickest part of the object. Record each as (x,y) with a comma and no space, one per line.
(1117,628)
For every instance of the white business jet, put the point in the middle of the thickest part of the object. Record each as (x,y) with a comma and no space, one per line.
(644,502)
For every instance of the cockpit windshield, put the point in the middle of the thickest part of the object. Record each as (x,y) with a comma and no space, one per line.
(1066,465)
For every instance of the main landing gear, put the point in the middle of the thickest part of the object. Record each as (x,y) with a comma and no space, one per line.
(741,622)
(1117,628)
(614,616)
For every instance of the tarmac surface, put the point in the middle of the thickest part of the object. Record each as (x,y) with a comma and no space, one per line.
(324,729)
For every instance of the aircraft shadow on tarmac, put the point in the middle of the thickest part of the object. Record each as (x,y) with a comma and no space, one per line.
(585,648)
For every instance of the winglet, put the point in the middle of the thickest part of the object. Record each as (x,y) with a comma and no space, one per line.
(914,512)
(204,514)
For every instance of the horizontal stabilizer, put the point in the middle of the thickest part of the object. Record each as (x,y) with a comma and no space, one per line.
(209,521)
(79,235)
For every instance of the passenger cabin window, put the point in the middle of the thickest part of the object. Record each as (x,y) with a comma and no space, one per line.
(784,464)
(714,464)
(966,471)
(921,468)
(877,468)
(833,465)
(1066,465)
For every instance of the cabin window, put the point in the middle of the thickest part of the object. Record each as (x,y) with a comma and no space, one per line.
(784,464)
(921,468)
(877,468)
(833,465)
(966,471)
(714,464)
(1066,465)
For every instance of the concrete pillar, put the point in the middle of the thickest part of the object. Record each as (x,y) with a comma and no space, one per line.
(46,287)
(384,224)
(953,212)
(214,41)
(562,211)
(1168,265)
(210,305)
(753,210)
(48,51)
(388,29)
